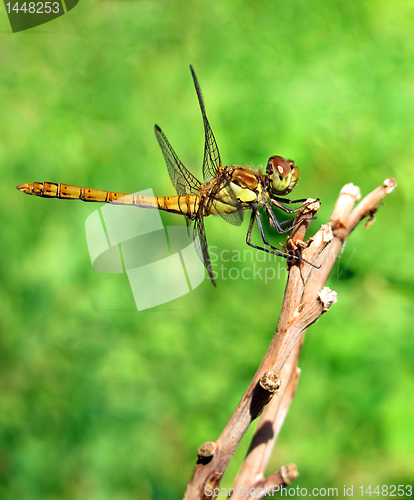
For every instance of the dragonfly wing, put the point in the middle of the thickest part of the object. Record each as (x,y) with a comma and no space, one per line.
(200,243)
(212,160)
(183,181)
(235,218)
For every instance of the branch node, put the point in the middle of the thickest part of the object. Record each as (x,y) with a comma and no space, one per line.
(289,473)
(303,244)
(318,243)
(270,382)
(327,234)
(327,297)
(371,215)
(207,449)
(266,388)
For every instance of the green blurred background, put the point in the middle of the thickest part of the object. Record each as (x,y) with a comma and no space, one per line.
(99,401)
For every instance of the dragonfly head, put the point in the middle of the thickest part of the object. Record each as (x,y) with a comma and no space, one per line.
(281,175)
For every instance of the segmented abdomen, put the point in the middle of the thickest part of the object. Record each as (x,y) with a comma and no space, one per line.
(184,205)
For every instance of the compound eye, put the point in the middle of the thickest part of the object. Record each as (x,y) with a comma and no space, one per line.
(280,166)
(282,174)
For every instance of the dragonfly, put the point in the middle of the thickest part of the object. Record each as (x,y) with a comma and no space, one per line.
(226,191)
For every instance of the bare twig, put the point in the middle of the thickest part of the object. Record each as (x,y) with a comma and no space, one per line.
(305,300)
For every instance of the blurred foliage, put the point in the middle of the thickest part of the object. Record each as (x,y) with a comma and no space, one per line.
(99,401)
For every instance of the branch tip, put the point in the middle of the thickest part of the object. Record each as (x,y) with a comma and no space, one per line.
(351,190)
(327,297)
(314,206)
(389,184)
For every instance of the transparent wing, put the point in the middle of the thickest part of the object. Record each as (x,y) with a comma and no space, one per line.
(212,160)
(235,218)
(183,181)
(200,243)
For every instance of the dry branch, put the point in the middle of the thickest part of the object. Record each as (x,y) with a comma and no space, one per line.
(305,300)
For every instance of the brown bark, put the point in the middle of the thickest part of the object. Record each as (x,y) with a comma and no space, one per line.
(305,300)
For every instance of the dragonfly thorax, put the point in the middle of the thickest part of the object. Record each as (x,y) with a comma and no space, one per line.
(281,175)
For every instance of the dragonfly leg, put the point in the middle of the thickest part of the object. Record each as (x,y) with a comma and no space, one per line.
(286,222)
(285,200)
(275,251)
(277,225)
(278,203)
(293,225)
